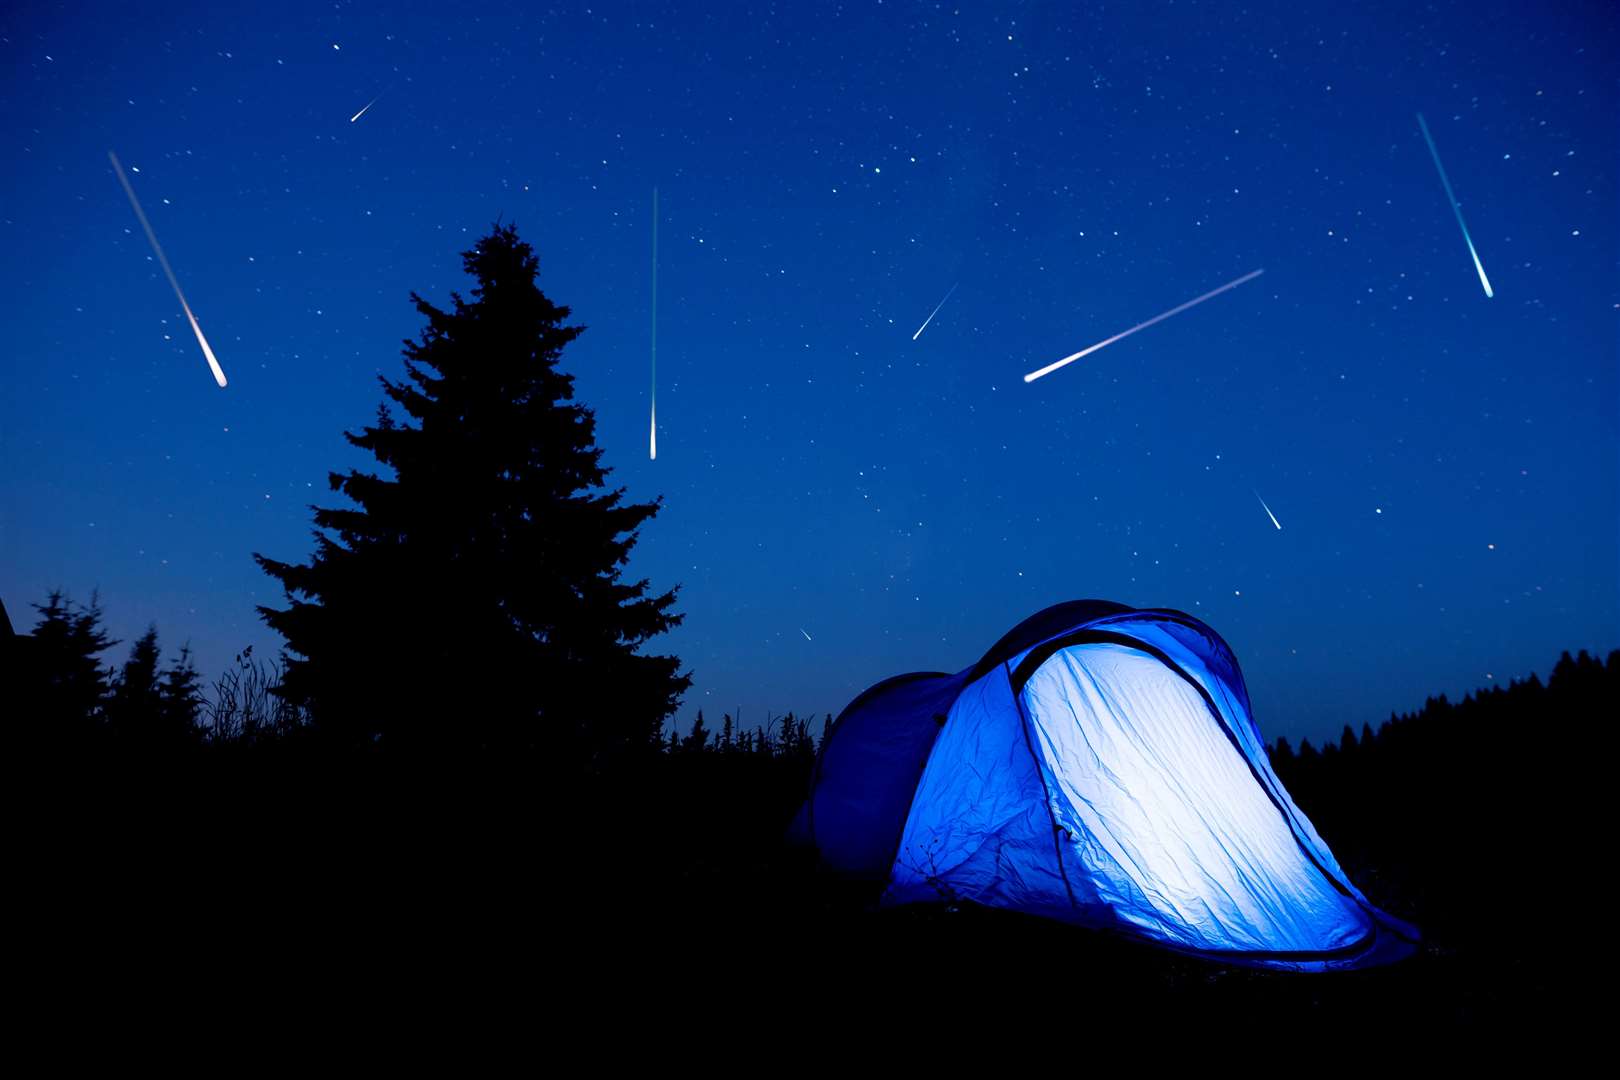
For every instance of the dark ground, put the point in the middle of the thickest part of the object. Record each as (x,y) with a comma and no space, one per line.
(309,881)
(281,879)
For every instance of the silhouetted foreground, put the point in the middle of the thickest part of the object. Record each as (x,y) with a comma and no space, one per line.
(248,850)
(469,594)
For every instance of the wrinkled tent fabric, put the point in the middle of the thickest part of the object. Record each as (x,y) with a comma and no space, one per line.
(1099,765)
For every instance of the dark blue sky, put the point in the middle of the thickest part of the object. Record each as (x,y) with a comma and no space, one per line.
(1446,467)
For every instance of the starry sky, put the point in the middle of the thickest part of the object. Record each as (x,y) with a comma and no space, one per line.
(843,502)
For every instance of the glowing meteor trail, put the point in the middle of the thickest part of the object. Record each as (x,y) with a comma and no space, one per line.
(1049,368)
(1455,207)
(931,314)
(807,637)
(369,104)
(652,438)
(1267,509)
(208,354)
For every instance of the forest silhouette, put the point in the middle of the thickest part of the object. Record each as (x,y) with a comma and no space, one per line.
(466,741)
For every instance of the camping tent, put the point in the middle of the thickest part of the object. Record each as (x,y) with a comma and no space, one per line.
(1098,765)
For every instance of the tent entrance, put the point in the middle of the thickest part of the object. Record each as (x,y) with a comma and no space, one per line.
(1162,820)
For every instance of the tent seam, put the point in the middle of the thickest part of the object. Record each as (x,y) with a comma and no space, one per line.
(1057,848)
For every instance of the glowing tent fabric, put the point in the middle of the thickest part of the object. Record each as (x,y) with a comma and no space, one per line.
(1099,765)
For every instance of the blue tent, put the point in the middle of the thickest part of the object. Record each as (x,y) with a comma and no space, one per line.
(1100,765)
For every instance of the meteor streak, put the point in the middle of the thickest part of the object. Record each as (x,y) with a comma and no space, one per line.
(369,104)
(208,354)
(652,438)
(931,314)
(807,637)
(1267,509)
(1049,368)
(1455,207)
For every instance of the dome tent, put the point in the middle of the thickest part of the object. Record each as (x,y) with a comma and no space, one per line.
(1099,765)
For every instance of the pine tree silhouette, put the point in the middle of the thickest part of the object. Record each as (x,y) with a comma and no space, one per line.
(474,598)
(698,740)
(68,681)
(134,705)
(180,700)
(1347,740)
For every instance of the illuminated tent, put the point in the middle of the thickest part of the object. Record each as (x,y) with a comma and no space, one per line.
(1099,765)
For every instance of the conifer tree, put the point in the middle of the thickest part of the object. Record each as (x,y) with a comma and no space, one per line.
(180,699)
(473,597)
(68,682)
(134,702)
(698,740)
(1347,740)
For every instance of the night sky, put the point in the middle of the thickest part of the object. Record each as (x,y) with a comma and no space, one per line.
(843,503)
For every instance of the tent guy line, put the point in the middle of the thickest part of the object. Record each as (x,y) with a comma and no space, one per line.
(1049,368)
(208,353)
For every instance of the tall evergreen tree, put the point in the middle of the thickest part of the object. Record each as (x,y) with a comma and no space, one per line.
(134,704)
(1347,740)
(698,740)
(180,699)
(67,680)
(474,597)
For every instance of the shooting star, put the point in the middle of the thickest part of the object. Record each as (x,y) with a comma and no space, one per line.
(369,104)
(1455,207)
(931,314)
(208,354)
(807,637)
(1267,509)
(1049,368)
(652,438)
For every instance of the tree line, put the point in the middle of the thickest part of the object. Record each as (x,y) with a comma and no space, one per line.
(75,700)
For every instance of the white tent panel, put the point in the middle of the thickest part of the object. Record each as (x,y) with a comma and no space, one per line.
(1162,816)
